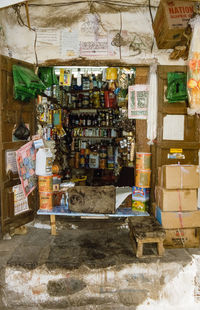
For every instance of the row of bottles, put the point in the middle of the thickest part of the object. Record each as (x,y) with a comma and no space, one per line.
(77,100)
(96,156)
(103,118)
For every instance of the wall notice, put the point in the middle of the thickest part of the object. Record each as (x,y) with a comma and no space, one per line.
(49,36)
(69,43)
(20,201)
(173,127)
(11,163)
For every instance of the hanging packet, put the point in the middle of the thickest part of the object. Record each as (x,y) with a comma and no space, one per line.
(176,86)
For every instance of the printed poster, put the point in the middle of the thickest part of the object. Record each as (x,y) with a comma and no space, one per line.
(138,96)
(20,200)
(26,157)
(93,38)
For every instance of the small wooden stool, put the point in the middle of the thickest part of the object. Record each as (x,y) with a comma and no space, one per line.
(146,229)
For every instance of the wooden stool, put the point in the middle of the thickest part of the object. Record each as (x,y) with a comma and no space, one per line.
(146,229)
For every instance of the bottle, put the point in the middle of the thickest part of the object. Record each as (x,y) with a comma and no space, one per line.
(84,120)
(62,201)
(89,120)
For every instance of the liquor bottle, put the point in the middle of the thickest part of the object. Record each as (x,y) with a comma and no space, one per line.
(84,120)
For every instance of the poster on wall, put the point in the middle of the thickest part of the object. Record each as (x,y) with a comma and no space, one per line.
(138,96)
(69,43)
(26,157)
(93,38)
(11,163)
(20,200)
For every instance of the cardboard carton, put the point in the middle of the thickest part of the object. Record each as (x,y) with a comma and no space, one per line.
(140,193)
(174,219)
(176,199)
(182,238)
(170,22)
(179,177)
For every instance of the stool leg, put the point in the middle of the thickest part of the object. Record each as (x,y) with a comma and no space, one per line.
(53,224)
(160,248)
(139,252)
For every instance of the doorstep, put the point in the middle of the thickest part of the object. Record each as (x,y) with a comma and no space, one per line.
(88,264)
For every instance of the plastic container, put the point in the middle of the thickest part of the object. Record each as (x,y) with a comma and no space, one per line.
(45,183)
(94,160)
(44,162)
(143,178)
(111,74)
(46,200)
(143,161)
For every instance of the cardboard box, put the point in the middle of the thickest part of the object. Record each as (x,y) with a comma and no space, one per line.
(174,219)
(170,22)
(176,199)
(182,238)
(140,193)
(179,177)
(141,206)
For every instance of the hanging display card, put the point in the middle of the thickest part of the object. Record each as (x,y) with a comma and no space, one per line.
(20,200)
(138,96)
(26,157)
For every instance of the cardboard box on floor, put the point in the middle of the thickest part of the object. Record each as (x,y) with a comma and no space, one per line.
(175,219)
(178,176)
(176,199)
(170,22)
(182,238)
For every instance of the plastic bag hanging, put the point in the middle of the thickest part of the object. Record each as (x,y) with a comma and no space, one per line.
(21,132)
(152,105)
(193,73)
(27,84)
(176,86)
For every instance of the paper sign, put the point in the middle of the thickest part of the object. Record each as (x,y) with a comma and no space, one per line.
(20,201)
(138,96)
(11,163)
(173,127)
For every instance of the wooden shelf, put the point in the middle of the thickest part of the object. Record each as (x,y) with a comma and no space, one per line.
(92,137)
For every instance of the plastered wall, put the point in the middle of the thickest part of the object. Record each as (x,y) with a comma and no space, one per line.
(82,31)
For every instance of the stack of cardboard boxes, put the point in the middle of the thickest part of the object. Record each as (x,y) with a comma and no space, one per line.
(177,204)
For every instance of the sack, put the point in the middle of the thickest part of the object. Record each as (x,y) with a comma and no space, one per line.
(176,86)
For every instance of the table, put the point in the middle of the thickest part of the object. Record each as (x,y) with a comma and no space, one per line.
(59,210)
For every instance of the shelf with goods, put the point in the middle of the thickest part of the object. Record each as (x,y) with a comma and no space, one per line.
(85,127)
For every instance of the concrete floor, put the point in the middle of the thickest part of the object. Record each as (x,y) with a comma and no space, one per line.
(90,264)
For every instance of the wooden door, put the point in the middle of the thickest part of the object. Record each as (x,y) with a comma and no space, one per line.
(190,145)
(10,112)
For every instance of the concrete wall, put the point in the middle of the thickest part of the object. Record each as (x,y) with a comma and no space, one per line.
(141,286)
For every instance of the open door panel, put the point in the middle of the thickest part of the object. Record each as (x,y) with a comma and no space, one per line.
(11,111)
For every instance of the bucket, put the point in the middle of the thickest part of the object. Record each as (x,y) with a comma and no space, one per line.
(143,161)
(44,162)
(45,183)
(142,178)
(46,200)
(111,74)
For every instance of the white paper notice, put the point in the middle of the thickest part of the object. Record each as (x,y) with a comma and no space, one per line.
(20,201)
(48,36)
(173,127)
(69,43)
(11,163)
